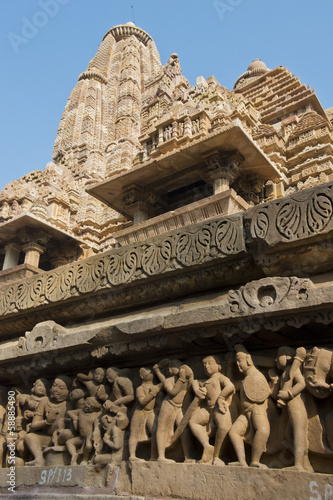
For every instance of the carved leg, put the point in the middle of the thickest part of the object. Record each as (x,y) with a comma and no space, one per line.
(165,427)
(72,445)
(137,423)
(262,430)
(223,423)
(34,444)
(299,421)
(198,424)
(236,434)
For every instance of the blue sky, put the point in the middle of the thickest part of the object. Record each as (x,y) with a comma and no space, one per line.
(46,44)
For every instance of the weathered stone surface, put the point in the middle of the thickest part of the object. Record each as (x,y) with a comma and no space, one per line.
(166,289)
(204,482)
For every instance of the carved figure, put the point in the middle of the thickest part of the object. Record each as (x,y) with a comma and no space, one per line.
(122,393)
(176,387)
(27,405)
(318,372)
(217,392)
(144,418)
(253,423)
(288,391)
(85,420)
(49,418)
(93,381)
(114,426)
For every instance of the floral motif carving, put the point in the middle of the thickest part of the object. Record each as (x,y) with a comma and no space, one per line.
(297,216)
(180,249)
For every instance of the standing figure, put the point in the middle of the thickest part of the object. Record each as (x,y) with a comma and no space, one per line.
(253,420)
(144,417)
(85,420)
(176,387)
(49,418)
(217,391)
(287,392)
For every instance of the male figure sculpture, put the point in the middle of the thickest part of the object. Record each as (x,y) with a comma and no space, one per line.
(253,420)
(144,418)
(122,393)
(217,390)
(50,414)
(85,420)
(287,392)
(176,387)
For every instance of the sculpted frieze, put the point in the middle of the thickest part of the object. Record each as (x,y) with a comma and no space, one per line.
(200,409)
(198,244)
(292,218)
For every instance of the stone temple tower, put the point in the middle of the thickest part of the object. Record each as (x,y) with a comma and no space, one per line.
(101,123)
(166,289)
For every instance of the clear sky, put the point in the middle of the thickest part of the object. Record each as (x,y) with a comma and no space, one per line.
(46,44)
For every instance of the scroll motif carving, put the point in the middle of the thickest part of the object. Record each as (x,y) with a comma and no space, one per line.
(121,268)
(268,293)
(180,249)
(297,219)
(193,247)
(297,216)
(156,258)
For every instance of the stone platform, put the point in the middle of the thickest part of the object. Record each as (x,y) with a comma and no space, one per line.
(153,480)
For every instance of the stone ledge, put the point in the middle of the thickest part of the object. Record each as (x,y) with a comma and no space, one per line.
(152,480)
(207,482)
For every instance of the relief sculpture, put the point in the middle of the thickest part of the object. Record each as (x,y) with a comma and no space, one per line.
(245,411)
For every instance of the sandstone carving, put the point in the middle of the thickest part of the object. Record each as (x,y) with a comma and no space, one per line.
(253,423)
(177,225)
(288,392)
(144,416)
(217,391)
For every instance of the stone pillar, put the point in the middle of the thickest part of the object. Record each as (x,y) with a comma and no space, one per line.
(141,212)
(222,170)
(11,256)
(33,251)
(220,185)
(140,203)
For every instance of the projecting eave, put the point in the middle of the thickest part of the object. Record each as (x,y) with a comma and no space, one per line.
(158,172)
(10,230)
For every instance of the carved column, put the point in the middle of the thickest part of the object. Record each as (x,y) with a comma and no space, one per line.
(223,168)
(141,203)
(33,251)
(11,256)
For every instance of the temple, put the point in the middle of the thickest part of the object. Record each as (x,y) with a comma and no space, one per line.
(166,288)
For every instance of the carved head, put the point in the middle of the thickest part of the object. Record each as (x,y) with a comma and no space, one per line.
(91,405)
(185,372)
(107,421)
(77,394)
(111,375)
(211,365)
(146,375)
(244,362)
(60,388)
(243,358)
(284,356)
(98,375)
(174,367)
(40,387)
